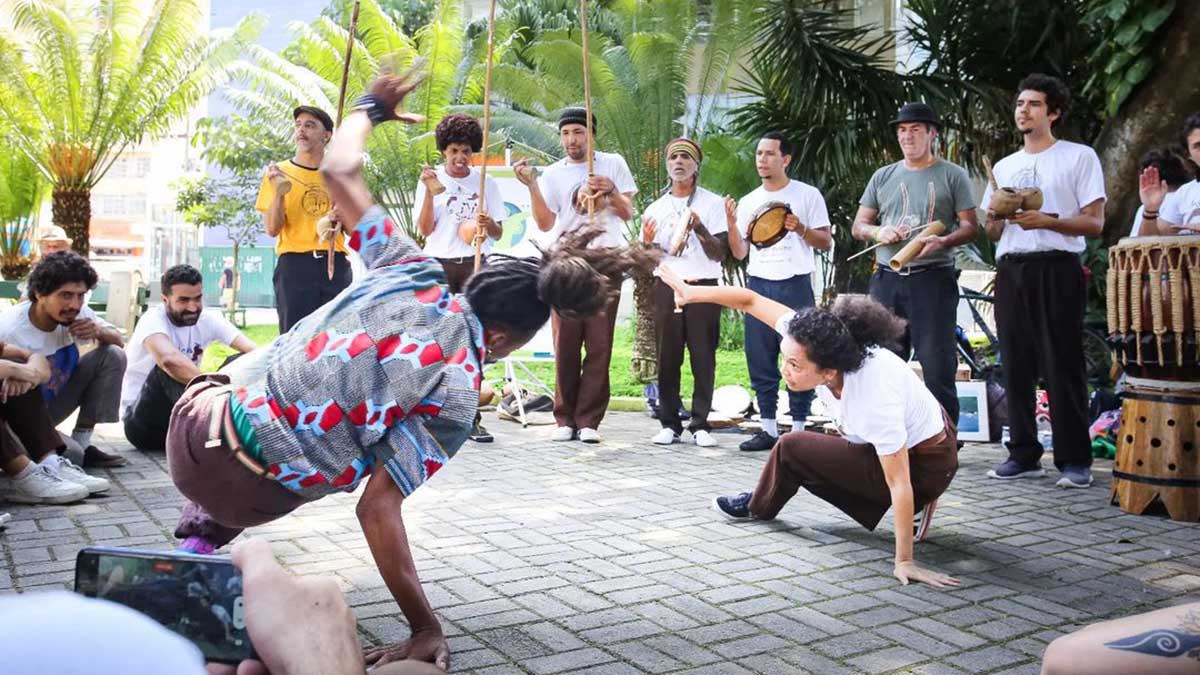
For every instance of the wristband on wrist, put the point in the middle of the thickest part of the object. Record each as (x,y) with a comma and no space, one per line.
(376,112)
(1150,215)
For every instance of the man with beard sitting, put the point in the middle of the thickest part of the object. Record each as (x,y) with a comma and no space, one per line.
(164,355)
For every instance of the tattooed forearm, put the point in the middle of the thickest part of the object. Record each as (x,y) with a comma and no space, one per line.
(1165,642)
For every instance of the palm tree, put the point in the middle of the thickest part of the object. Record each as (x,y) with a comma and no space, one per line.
(309,71)
(21,193)
(643,57)
(81,81)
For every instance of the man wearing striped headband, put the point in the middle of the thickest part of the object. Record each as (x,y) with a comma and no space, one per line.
(691,224)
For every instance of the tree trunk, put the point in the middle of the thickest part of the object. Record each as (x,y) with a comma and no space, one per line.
(237,280)
(1150,118)
(644,361)
(71,208)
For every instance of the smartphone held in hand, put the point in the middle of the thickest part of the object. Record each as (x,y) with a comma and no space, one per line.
(198,597)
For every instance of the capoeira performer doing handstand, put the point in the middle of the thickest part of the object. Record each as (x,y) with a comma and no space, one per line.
(898,449)
(383,381)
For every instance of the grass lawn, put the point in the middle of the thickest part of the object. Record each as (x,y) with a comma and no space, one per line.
(731,365)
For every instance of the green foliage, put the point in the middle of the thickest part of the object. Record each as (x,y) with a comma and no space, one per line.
(21,193)
(222,202)
(81,81)
(242,145)
(826,84)
(309,71)
(642,58)
(1123,58)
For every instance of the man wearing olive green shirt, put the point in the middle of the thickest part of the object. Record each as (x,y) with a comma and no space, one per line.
(292,199)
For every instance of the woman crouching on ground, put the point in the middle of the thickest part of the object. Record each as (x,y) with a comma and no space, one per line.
(897,448)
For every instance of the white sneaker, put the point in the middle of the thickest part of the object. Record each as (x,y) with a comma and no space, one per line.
(70,472)
(44,486)
(589,435)
(665,437)
(4,518)
(563,434)
(703,439)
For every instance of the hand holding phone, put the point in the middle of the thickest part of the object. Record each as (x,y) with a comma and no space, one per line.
(297,624)
(197,597)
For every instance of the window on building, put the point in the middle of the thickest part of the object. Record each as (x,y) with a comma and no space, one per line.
(119,169)
(143,167)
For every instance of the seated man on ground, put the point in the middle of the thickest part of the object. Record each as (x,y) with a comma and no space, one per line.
(33,473)
(55,322)
(164,355)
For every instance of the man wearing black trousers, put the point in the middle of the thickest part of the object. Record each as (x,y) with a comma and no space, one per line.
(904,196)
(293,199)
(781,272)
(698,262)
(1040,291)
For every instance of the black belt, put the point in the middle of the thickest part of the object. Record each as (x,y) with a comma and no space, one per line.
(1039,256)
(917,269)
(316,254)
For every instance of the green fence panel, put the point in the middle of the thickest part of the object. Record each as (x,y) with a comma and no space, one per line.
(256,265)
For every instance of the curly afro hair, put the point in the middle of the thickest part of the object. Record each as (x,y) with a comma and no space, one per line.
(458,128)
(570,278)
(57,270)
(838,338)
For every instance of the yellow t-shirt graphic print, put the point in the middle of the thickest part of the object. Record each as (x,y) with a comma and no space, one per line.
(306,203)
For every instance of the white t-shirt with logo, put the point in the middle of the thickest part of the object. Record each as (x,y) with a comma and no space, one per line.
(667,212)
(456,204)
(791,256)
(883,403)
(189,340)
(1070,178)
(58,345)
(559,185)
(1184,209)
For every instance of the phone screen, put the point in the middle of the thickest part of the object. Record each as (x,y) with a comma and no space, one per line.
(197,597)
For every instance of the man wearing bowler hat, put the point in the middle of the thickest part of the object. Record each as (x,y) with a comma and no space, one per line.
(899,199)
(292,199)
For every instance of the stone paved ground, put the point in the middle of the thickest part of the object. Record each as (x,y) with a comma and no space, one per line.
(563,558)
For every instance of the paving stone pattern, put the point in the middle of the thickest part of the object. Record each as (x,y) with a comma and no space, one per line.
(546,558)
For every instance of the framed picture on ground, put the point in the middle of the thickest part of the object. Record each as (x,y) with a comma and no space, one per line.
(973,411)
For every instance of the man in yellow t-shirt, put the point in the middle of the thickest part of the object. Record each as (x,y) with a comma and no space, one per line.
(292,199)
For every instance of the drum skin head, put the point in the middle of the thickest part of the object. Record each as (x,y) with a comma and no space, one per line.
(766,226)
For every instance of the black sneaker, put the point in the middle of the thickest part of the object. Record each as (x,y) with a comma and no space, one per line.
(480,435)
(736,507)
(759,441)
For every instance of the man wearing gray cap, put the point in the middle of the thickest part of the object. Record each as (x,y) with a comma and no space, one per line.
(560,200)
(292,199)
(899,199)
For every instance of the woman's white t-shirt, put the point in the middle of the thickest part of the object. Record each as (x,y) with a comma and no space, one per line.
(458,203)
(883,403)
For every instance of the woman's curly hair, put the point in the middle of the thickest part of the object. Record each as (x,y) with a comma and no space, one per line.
(458,128)
(570,278)
(838,338)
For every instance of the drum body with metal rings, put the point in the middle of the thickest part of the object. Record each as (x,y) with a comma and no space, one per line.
(1158,458)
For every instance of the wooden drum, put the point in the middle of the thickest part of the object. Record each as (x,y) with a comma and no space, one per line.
(1158,457)
(1153,315)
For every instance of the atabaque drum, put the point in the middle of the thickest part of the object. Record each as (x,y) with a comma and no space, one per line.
(1153,321)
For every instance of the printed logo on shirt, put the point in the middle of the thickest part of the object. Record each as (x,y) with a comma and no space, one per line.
(315,201)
